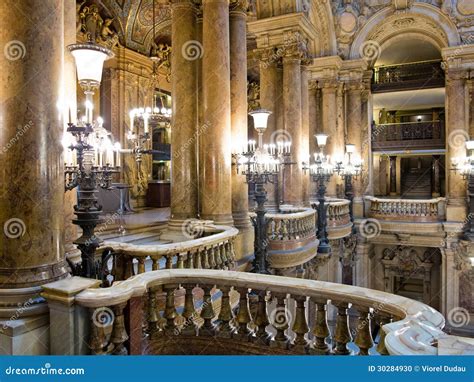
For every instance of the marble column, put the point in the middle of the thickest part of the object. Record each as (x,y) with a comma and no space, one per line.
(292,177)
(270,98)
(32,176)
(216,141)
(184,132)
(238,105)
(329,126)
(314,126)
(354,126)
(456,135)
(305,136)
(340,143)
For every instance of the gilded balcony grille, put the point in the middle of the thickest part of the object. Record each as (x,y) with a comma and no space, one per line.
(408,135)
(418,75)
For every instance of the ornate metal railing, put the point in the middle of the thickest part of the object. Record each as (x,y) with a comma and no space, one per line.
(183,311)
(427,74)
(410,135)
(213,249)
(413,210)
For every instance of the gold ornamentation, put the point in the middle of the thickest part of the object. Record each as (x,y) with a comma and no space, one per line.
(94,28)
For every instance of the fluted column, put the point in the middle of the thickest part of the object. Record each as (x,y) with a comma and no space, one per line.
(456,135)
(216,144)
(292,177)
(354,126)
(32,178)
(238,105)
(314,126)
(184,182)
(329,125)
(305,133)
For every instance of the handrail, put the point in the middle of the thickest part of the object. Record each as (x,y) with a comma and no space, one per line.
(415,328)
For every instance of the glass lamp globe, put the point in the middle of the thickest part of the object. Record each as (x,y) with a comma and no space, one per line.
(260,119)
(89,60)
(321,139)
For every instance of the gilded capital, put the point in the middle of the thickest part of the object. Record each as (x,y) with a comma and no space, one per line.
(239,6)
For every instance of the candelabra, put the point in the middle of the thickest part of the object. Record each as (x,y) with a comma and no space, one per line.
(349,171)
(321,171)
(83,173)
(466,167)
(260,163)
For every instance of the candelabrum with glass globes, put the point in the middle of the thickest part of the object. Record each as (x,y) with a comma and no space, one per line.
(321,171)
(261,163)
(90,158)
(466,167)
(349,170)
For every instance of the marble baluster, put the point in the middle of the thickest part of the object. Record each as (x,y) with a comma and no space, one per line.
(342,335)
(243,318)
(224,327)
(363,338)
(207,313)
(119,333)
(300,326)
(321,329)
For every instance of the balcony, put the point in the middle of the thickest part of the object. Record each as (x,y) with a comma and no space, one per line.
(418,75)
(408,136)
(195,311)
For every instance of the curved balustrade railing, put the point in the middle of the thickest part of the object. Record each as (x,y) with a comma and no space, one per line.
(414,210)
(270,316)
(214,249)
(292,239)
(339,223)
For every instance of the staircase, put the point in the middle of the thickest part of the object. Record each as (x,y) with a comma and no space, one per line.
(416,184)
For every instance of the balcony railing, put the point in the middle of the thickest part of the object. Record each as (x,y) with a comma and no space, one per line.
(408,135)
(413,210)
(291,237)
(418,75)
(247,314)
(212,249)
(338,218)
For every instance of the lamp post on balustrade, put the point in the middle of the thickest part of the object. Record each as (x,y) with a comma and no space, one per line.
(349,170)
(466,168)
(321,171)
(260,163)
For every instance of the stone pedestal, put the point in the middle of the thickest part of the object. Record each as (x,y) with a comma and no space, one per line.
(216,195)
(185,132)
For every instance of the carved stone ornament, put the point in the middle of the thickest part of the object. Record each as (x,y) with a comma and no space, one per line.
(93,27)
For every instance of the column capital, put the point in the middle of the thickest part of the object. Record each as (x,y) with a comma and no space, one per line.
(328,84)
(239,6)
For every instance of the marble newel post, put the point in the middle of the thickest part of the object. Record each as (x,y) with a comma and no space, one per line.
(354,131)
(456,134)
(238,104)
(293,174)
(216,194)
(31,162)
(184,182)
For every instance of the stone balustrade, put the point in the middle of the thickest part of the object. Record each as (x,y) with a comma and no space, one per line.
(212,249)
(177,311)
(413,210)
(292,239)
(339,223)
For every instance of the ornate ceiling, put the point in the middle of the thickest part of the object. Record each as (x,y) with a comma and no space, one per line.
(133,20)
